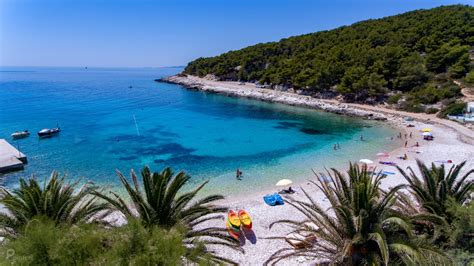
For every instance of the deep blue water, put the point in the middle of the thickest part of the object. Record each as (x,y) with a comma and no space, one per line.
(207,135)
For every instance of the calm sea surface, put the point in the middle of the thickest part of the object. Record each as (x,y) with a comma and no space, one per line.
(209,136)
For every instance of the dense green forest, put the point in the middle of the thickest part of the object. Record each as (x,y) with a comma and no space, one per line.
(409,58)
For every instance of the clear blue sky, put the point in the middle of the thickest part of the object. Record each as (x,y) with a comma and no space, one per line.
(139,33)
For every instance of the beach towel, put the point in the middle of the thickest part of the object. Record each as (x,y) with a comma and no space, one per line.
(273,199)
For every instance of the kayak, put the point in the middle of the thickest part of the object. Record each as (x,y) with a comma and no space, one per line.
(230,227)
(231,231)
(233,219)
(245,219)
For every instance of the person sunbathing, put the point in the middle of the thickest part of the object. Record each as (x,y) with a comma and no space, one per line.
(287,191)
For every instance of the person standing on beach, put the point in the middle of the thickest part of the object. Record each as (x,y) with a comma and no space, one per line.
(406,143)
(335,147)
(411,134)
(361,137)
(238,174)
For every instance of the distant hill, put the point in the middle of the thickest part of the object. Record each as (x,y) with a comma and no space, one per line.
(411,57)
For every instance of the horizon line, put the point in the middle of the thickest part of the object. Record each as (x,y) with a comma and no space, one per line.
(85,66)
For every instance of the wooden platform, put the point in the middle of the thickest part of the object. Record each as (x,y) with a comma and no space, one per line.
(11,159)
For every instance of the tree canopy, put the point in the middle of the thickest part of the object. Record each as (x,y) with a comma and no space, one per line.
(366,60)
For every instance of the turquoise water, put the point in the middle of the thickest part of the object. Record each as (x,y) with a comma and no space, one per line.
(207,135)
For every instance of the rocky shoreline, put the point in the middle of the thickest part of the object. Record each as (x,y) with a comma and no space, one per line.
(249,91)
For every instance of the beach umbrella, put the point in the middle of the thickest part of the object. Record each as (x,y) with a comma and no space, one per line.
(284,182)
(427,134)
(366,161)
(426,129)
(383,154)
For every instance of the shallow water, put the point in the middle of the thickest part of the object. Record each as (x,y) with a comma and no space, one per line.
(207,135)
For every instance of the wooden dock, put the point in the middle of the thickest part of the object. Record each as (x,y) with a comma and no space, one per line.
(11,159)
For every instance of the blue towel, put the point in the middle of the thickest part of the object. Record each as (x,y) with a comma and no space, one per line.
(388,173)
(278,199)
(270,200)
(273,199)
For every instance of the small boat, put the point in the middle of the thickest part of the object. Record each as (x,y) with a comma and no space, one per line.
(20,134)
(245,219)
(47,132)
(234,220)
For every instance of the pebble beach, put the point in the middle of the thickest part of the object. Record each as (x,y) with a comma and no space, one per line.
(451,142)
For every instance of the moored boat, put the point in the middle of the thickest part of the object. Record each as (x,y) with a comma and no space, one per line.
(20,134)
(48,132)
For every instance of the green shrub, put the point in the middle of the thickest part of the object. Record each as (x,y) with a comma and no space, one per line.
(393,99)
(462,227)
(44,243)
(412,106)
(460,231)
(431,110)
(470,77)
(433,94)
(454,108)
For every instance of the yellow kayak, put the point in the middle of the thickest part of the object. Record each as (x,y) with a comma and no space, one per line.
(232,231)
(234,219)
(245,219)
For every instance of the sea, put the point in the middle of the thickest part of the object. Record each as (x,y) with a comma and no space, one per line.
(119,119)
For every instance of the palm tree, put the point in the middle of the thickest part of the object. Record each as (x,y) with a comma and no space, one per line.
(59,201)
(434,187)
(363,225)
(161,203)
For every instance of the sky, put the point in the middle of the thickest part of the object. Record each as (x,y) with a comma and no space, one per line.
(154,33)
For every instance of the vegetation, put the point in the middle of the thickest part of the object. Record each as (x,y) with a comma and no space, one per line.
(366,225)
(461,232)
(54,224)
(434,187)
(453,108)
(59,201)
(162,204)
(446,194)
(45,243)
(366,61)
(470,77)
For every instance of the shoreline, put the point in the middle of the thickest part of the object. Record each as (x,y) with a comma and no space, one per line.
(370,112)
(444,147)
(452,142)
